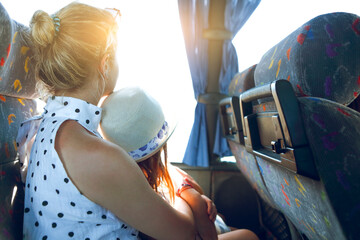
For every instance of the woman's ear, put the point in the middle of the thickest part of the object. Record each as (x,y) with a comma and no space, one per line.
(104,66)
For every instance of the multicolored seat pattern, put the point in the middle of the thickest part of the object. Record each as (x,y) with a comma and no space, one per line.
(322,62)
(320,59)
(240,83)
(17,88)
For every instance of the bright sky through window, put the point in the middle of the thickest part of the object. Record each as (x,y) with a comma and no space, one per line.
(152,53)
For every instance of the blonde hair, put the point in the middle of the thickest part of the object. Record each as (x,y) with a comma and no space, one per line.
(65,58)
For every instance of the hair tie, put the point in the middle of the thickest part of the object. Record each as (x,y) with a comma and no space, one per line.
(56,21)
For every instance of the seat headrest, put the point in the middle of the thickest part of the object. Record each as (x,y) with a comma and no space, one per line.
(16,71)
(242,81)
(320,59)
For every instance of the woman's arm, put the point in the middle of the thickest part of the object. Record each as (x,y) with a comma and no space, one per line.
(105,173)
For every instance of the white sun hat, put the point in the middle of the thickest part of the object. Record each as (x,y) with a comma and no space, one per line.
(134,120)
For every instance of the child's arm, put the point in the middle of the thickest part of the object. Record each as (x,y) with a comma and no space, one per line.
(199,206)
(211,208)
(188,178)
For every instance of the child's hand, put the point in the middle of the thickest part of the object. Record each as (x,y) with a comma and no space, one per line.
(188,178)
(211,208)
(194,184)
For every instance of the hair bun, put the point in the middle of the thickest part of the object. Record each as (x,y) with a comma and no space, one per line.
(42,28)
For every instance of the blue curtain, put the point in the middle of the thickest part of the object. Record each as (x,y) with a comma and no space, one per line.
(194,20)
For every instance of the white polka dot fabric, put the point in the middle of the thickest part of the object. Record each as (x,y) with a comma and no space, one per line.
(54,207)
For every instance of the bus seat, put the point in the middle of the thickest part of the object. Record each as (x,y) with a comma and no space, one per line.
(245,161)
(271,219)
(296,123)
(17,89)
(242,81)
(327,207)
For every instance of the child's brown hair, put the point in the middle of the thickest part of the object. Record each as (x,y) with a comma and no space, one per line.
(156,172)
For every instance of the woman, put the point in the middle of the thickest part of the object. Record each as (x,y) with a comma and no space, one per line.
(78,185)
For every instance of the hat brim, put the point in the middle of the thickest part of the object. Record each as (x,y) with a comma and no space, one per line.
(172,126)
(172,120)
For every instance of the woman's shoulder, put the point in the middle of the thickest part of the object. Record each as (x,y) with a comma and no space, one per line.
(91,162)
(74,143)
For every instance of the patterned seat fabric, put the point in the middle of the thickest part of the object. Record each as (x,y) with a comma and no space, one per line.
(17,88)
(333,131)
(321,60)
(271,218)
(240,83)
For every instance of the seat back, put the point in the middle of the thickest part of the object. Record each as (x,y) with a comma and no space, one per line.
(230,116)
(271,219)
(303,137)
(17,88)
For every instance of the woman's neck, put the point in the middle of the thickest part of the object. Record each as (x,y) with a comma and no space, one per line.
(85,96)
(87,93)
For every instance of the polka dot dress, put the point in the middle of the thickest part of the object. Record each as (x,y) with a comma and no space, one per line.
(54,207)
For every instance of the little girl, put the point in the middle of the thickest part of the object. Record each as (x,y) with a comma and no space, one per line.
(135,121)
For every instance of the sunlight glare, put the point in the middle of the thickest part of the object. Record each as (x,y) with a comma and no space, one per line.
(151,54)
